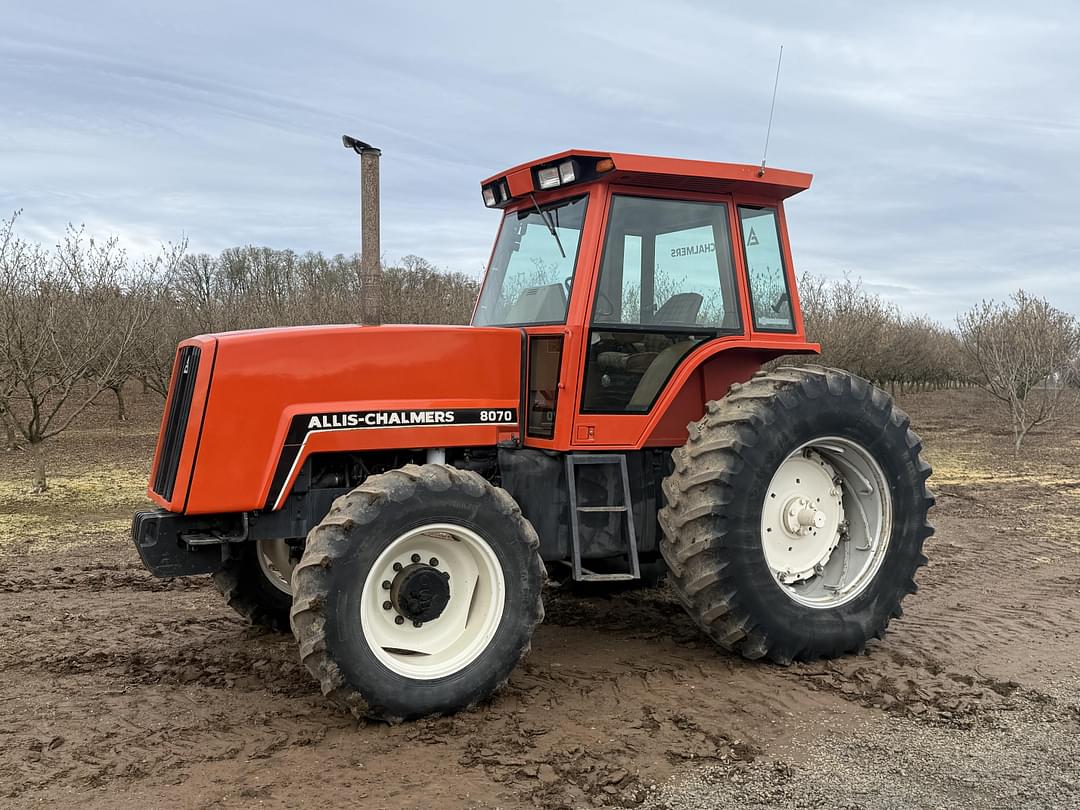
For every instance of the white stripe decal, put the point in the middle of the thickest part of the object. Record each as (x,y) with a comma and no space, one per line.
(300,453)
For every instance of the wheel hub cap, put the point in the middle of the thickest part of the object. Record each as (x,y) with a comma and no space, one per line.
(420,593)
(802,517)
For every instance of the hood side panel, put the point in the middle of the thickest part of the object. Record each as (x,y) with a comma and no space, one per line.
(279,395)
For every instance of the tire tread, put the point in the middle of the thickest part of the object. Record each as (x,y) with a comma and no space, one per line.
(328,543)
(706,478)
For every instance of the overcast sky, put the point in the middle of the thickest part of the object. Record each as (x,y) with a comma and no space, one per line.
(945,143)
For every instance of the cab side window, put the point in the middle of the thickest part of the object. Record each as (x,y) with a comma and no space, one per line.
(667,284)
(770,299)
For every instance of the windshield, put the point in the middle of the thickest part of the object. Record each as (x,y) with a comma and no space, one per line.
(533,266)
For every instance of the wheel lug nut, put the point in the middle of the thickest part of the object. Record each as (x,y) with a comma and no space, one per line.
(397,566)
(416,558)
(417,624)
(434,562)
(386,605)
(386,585)
(399,620)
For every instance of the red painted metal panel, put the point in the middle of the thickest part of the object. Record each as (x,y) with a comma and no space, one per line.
(263,378)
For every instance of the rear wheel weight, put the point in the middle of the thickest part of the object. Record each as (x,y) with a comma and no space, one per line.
(418,593)
(796,515)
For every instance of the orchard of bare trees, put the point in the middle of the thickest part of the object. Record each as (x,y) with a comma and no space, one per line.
(865,334)
(1024,352)
(81,320)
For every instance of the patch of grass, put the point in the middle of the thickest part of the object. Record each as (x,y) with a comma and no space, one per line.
(97,489)
(963,466)
(42,533)
(96,502)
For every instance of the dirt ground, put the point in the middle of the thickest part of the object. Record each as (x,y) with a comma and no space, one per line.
(121,691)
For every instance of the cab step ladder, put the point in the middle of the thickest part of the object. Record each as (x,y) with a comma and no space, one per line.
(580,573)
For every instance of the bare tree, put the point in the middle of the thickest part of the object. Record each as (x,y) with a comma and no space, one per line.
(1020,352)
(165,323)
(66,325)
(149,292)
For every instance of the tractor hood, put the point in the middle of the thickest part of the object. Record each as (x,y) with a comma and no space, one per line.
(246,409)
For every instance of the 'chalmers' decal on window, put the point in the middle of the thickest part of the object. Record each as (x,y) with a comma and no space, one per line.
(303,425)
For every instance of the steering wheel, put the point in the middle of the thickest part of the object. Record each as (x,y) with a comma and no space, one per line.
(604,307)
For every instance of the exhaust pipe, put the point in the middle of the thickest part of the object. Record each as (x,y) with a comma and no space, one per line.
(370,265)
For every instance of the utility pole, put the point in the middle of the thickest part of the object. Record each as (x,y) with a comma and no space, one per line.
(370,264)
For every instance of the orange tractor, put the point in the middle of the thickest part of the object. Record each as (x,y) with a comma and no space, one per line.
(396,494)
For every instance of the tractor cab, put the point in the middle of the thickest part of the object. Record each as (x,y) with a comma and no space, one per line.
(627,274)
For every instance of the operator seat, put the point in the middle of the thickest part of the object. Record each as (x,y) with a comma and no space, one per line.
(657,374)
(680,310)
(654,355)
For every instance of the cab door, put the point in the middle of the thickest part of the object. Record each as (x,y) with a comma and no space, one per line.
(667,284)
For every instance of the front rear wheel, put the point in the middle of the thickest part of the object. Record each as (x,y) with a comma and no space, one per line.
(796,515)
(417,594)
(257,582)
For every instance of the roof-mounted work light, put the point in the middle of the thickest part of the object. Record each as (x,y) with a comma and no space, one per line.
(496,193)
(546,176)
(558,175)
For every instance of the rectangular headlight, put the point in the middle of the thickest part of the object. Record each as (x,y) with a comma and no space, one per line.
(566,172)
(489,196)
(549,177)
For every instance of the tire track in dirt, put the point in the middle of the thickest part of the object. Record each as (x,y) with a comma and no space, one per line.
(608,703)
(132,734)
(93,579)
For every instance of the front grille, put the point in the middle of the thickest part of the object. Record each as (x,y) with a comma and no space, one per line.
(183,388)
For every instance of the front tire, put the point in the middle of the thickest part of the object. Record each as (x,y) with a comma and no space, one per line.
(796,515)
(256,583)
(417,594)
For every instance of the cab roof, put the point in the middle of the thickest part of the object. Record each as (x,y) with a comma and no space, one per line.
(646,170)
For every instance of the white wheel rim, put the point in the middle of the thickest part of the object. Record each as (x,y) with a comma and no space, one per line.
(826,522)
(449,643)
(276,563)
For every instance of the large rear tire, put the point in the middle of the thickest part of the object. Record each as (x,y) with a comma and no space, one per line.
(796,515)
(417,594)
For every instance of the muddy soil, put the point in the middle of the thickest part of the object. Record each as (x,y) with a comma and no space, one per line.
(121,691)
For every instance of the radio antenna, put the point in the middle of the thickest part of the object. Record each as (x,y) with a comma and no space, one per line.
(772,106)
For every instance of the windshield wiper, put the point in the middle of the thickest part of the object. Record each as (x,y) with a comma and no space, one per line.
(544,215)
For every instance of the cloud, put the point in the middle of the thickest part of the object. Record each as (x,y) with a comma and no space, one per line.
(943,141)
